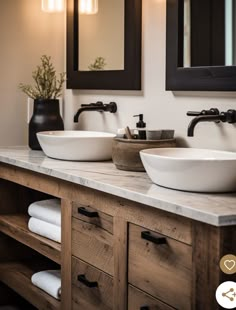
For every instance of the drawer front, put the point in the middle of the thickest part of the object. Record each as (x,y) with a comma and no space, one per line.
(93,243)
(93,216)
(160,266)
(139,300)
(92,289)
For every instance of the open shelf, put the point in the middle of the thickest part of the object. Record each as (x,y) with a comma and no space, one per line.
(17,276)
(16,226)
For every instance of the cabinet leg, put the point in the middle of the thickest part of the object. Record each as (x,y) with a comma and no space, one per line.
(120,264)
(210,244)
(66,213)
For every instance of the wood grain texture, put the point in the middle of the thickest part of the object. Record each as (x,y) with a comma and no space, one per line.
(66,270)
(61,189)
(93,244)
(12,250)
(18,277)
(96,298)
(20,200)
(171,225)
(138,299)
(120,263)
(16,226)
(210,245)
(151,268)
(125,152)
(103,220)
(163,271)
(176,227)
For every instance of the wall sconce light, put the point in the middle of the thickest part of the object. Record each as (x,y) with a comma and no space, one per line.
(88,7)
(52,6)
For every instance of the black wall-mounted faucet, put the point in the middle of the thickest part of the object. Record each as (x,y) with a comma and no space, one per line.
(98,106)
(212,115)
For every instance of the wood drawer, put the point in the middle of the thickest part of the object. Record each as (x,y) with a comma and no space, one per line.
(92,238)
(138,300)
(88,214)
(162,270)
(93,290)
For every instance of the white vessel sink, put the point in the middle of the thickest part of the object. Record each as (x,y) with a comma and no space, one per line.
(196,170)
(76,145)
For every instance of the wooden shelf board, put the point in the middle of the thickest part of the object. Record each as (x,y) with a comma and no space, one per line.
(16,226)
(17,276)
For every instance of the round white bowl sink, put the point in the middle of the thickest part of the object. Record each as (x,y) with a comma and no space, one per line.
(195,170)
(76,145)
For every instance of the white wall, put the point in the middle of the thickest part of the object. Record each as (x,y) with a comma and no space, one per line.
(26,33)
(161,109)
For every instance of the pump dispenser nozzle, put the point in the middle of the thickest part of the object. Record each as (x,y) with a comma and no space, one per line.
(141,124)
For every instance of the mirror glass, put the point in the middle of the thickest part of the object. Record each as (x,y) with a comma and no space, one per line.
(208,33)
(102,37)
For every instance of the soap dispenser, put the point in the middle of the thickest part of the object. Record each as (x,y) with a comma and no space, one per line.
(141,124)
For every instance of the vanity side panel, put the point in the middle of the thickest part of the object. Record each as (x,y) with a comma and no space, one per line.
(210,244)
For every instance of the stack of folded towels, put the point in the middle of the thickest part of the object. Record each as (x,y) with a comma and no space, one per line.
(46,219)
(48,281)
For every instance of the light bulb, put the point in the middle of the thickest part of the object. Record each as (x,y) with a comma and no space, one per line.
(88,6)
(52,6)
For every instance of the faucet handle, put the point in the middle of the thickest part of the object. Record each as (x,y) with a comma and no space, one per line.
(96,104)
(212,111)
(193,113)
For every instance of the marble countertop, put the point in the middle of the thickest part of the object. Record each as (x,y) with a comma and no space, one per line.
(214,209)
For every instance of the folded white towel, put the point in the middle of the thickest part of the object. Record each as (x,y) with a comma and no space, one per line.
(48,281)
(46,210)
(45,229)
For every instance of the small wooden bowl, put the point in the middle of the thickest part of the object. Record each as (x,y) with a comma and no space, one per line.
(125,152)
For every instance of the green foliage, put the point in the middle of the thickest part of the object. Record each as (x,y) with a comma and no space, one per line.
(47,86)
(98,64)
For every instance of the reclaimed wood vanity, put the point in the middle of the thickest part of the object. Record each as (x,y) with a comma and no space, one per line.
(126,244)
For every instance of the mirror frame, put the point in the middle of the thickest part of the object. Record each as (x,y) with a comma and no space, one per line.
(127,79)
(220,78)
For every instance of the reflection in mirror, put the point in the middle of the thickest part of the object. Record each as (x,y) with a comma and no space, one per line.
(209,33)
(102,37)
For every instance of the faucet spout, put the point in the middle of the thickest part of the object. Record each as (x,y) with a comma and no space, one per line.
(203,118)
(98,106)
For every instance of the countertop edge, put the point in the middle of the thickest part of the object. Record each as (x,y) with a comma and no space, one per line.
(208,218)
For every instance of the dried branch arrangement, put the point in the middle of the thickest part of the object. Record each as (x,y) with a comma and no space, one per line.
(98,65)
(47,85)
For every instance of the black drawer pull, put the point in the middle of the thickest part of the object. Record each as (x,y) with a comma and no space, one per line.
(82,279)
(148,236)
(144,308)
(87,213)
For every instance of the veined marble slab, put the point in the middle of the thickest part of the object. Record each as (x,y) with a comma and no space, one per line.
(214,209)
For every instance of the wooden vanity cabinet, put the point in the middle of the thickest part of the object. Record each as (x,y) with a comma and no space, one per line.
(139,300)
(92,288)
(160,266)
(92,237)
(139,257)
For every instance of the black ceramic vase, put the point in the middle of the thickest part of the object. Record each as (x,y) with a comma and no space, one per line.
(46,116)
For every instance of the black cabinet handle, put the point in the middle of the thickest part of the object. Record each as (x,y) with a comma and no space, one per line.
(87,213)
(83,280)
(148,236)
(144,308)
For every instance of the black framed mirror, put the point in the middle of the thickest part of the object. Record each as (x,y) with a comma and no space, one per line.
(104,49)
(201,45)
